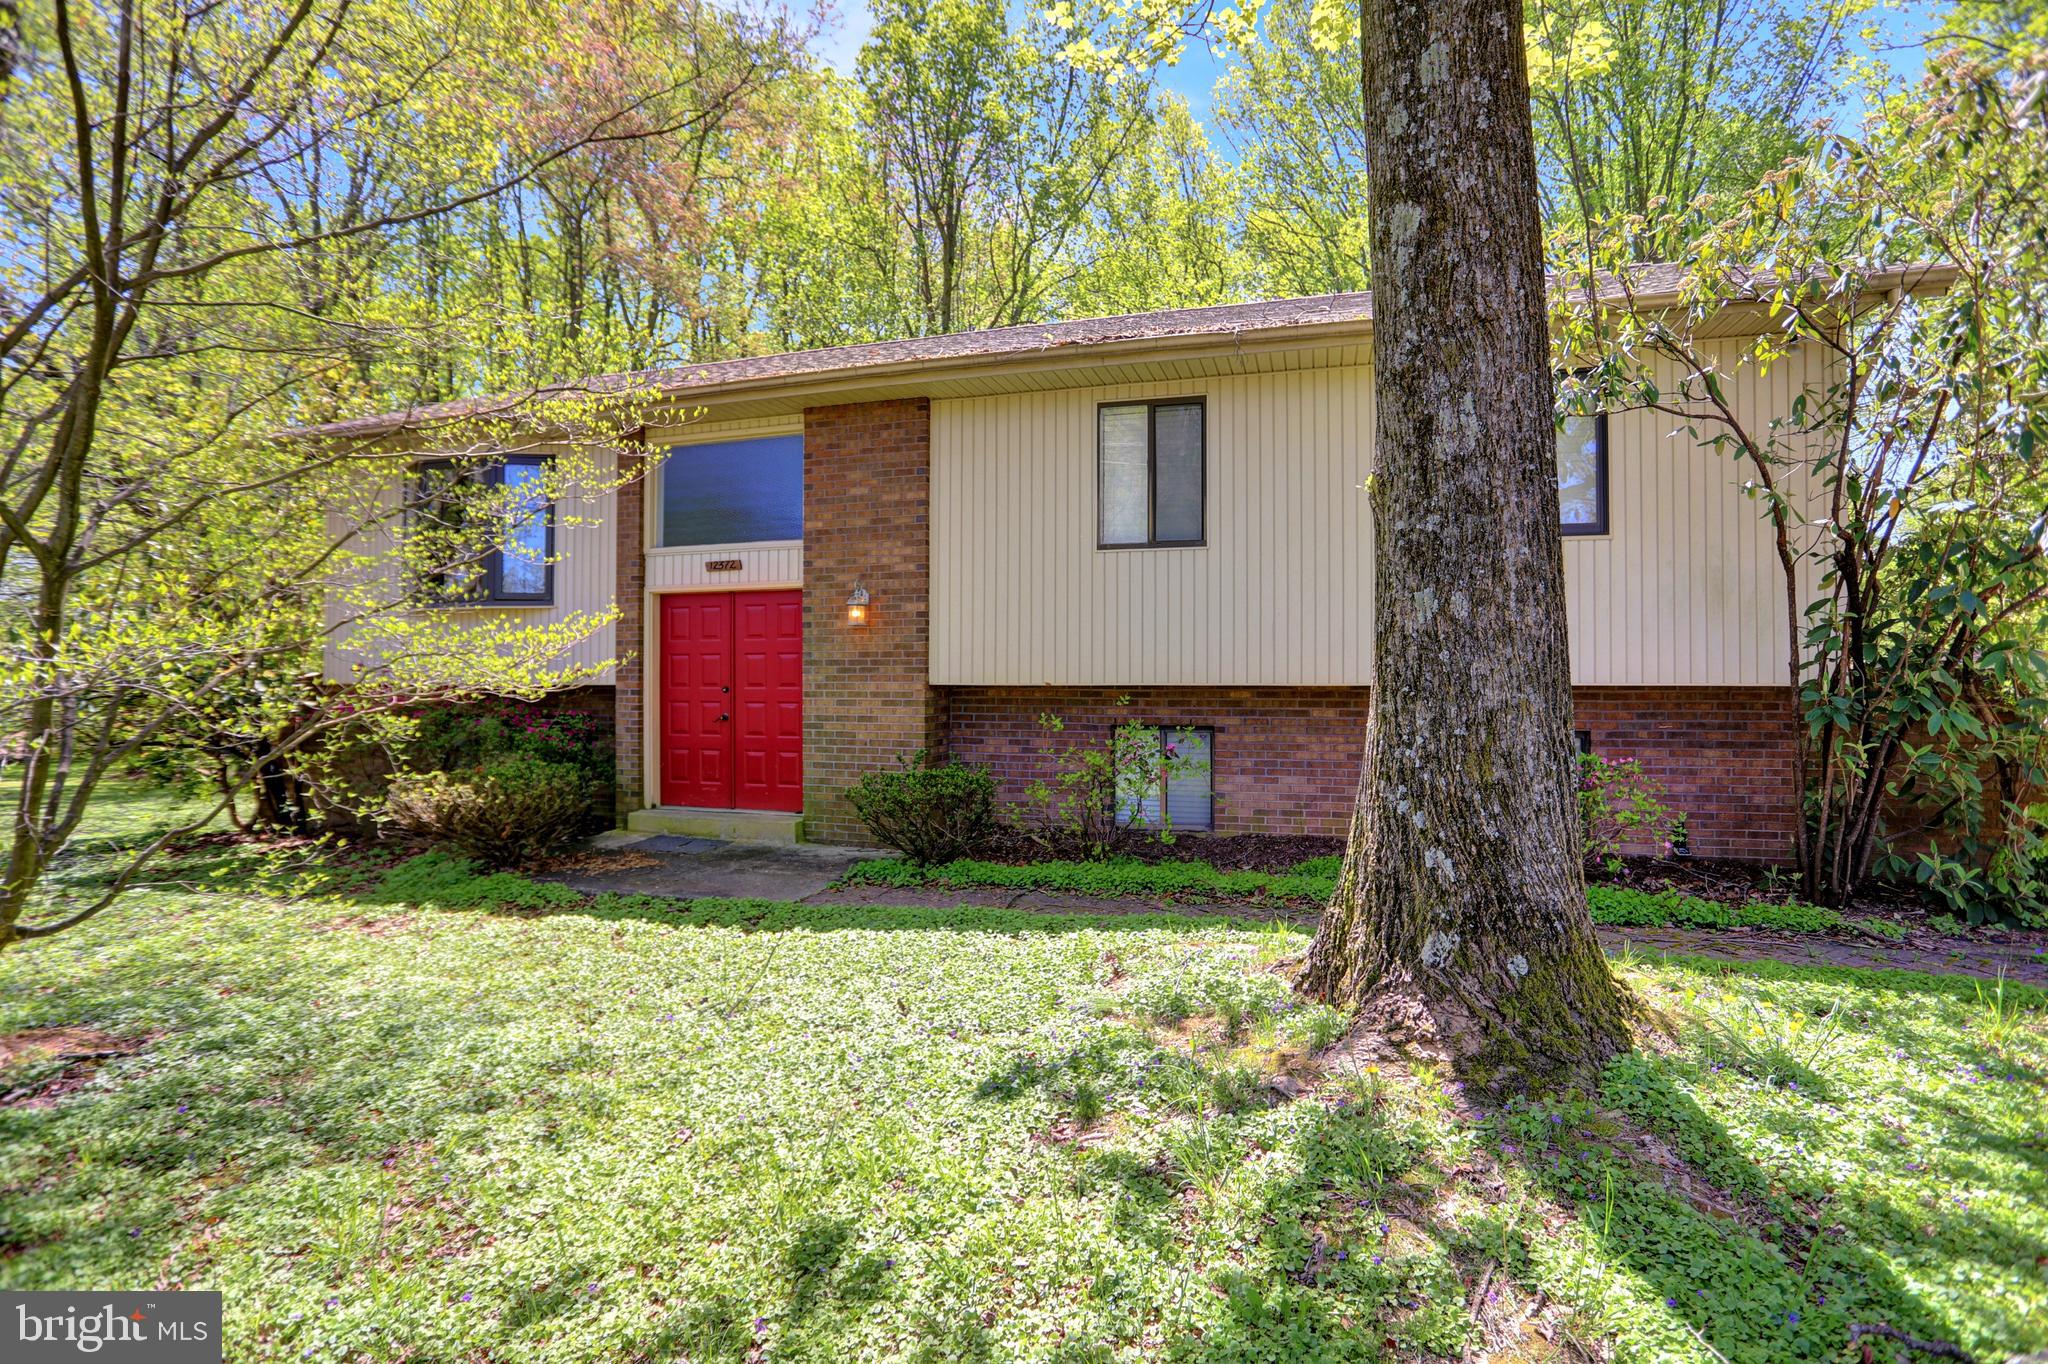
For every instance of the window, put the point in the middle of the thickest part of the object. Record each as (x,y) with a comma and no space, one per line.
(518,570)
(1175,778)
(1582,474)
(1150,473)
(733,492)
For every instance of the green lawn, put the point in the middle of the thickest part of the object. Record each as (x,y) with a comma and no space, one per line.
(392,1133)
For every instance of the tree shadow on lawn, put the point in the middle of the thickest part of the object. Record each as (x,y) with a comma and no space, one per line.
(1735,1255)
(1375,1244)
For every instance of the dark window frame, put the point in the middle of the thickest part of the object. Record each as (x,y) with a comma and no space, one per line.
(1200,403)
(489,587)
(1162,731)
(1599,527)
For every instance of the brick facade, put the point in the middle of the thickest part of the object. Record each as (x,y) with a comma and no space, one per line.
(630,738)
(1727,755)
(1287,759)
(867,698)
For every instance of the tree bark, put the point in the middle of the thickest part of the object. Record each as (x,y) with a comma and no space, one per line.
(1460,916)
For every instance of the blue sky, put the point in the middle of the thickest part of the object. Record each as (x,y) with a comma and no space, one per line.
(1900,26)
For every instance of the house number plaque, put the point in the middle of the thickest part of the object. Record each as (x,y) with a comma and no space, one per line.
(721,565)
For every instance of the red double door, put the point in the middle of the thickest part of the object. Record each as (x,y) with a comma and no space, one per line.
(732,700)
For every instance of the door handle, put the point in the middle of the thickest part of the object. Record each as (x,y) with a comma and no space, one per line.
(723,718)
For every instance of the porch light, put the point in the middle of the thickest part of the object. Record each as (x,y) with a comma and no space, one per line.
(857,606)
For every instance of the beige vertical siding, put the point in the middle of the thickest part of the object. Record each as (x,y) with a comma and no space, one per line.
(1683,590)
(1280,593)
(1687,588)
(586,575)
(765,564)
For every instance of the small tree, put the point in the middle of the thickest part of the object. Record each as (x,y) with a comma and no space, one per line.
(1095,796)
(169,569)
(1904,484)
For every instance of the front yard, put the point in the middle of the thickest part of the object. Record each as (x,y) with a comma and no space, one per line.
(752,1132)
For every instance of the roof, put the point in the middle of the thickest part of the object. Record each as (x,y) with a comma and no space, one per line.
(1277,319)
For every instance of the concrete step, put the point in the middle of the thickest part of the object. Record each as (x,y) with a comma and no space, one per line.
(732,826)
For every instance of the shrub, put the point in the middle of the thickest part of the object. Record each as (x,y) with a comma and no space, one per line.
(1984,882)
(507,811)
(1089,805)
(457,738)
(1626,906)
(930,812)
(1619,806)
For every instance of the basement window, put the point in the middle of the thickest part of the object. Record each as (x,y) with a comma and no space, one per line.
(1178,780)
(1151,474)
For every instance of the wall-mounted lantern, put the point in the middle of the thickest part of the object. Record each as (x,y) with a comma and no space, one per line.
(857,606)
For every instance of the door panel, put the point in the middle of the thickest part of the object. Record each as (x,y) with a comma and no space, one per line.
(696,691)
(768,718)
(732,700)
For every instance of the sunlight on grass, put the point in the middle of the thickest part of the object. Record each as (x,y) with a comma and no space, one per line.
(125,812)
(384,1131)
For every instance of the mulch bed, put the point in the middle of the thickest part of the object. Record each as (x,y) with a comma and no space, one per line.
(1735,883)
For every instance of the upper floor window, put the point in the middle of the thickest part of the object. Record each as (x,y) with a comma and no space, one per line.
(1582,474)
(1151,473)
(514,567)
(733,492)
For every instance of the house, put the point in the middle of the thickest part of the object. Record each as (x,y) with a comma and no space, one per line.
(849,554)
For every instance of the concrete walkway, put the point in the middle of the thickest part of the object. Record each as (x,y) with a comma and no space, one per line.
(704,868)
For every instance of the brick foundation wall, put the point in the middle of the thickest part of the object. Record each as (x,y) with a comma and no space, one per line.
(1726,754)
(1285,762)
(1287,759)
(867,698)
(629,708)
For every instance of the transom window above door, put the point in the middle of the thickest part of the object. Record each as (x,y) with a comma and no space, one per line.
(1151,466)
(732,492)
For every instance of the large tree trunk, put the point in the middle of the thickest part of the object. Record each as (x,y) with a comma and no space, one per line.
(1460,916)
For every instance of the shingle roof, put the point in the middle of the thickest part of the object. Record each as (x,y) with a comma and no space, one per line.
(1650,283)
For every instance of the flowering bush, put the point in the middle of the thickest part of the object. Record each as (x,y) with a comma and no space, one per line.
(1620,807)
(452,738)
(1092,801)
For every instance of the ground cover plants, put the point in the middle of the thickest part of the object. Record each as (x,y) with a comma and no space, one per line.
(1311,883)
(534,1125)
